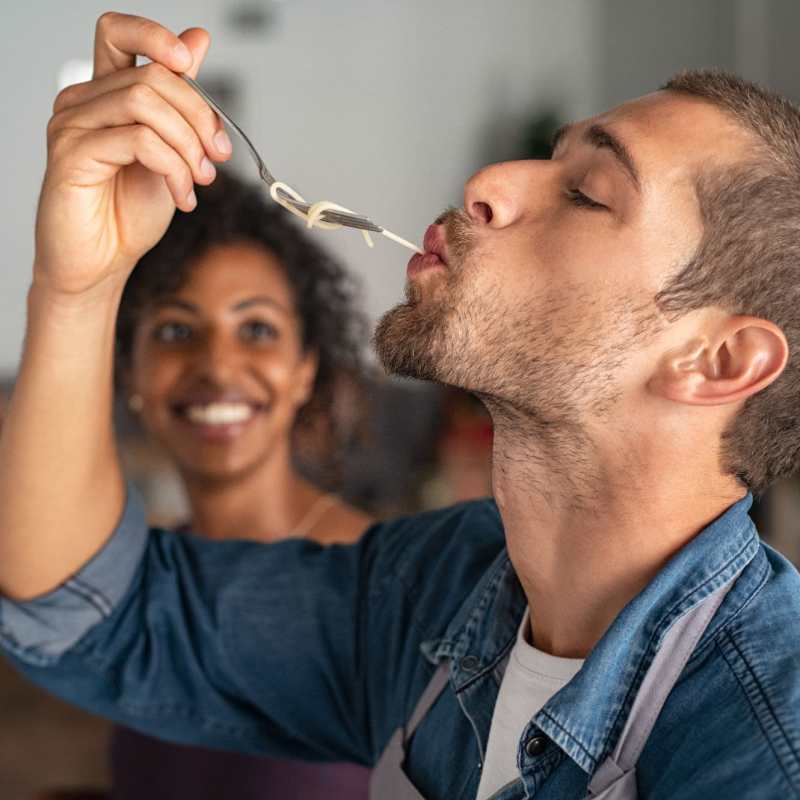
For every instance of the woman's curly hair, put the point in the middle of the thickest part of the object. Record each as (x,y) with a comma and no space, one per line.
(228,211)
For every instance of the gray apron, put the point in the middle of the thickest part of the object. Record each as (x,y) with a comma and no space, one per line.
(615,778)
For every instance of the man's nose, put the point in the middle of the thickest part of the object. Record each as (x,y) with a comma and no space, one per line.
(498,195)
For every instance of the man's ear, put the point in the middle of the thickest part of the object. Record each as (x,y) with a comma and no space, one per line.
(744,356)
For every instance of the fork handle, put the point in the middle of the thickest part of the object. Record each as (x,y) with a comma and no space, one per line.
(266,175)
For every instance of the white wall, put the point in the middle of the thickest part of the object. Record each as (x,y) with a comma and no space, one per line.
(641,43)
(381,105)
(385,107)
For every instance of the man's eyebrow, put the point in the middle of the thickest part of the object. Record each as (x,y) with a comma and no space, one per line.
(603,139)
(560,134)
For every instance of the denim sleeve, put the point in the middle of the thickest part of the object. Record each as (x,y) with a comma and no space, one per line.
(291,649)
(40,630)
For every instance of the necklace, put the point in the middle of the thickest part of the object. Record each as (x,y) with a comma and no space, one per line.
(311,517)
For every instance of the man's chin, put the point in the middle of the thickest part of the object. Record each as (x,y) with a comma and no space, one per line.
(405,340)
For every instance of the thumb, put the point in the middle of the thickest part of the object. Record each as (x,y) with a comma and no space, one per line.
(198,42)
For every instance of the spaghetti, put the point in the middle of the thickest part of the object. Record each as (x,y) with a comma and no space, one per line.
(313,217)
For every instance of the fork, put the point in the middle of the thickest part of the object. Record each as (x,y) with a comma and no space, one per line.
(336,217)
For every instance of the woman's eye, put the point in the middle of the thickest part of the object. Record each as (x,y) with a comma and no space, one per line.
(172,333)
(258,331)
(578,198)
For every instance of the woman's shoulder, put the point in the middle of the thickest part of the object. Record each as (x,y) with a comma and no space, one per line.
(341,524)
(476,521)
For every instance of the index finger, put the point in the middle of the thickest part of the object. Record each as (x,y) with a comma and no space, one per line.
(119,38)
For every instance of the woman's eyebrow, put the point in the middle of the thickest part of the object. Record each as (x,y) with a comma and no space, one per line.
(242,305)
(174,302)
(603,139)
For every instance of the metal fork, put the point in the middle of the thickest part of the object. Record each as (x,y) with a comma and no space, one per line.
(336,217)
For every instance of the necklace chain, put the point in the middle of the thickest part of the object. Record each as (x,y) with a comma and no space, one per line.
(311,516)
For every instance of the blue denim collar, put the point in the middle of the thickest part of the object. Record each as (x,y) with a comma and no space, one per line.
(587,716)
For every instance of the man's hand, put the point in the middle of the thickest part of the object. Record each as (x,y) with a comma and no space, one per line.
(124,149)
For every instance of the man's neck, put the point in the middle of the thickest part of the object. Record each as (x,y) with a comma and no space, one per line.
(589,524)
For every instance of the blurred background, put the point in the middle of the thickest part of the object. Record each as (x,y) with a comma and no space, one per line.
(387,108)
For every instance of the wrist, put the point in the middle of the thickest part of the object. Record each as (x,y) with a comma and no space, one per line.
(71,331)
(102,298)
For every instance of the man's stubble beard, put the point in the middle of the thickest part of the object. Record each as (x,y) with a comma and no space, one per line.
(545,369)
(414,339)
(542,361)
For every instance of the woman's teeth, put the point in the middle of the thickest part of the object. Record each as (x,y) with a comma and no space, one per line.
(220,413)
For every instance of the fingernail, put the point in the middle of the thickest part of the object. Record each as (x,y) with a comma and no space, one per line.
(207,168)
(191,199)
(222,142)
(182,54)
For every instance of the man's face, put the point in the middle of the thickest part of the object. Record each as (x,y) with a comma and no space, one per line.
(546,299)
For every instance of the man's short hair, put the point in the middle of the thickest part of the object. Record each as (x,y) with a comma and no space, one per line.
(748,262)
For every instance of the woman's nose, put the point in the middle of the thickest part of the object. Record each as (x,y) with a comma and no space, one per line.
(218,357)
(500,194)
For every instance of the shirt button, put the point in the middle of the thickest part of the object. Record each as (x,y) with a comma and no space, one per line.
(536,745)
(469,663)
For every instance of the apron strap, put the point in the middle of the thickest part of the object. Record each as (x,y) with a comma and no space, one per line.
(676,649)
(432,691)
(388,781)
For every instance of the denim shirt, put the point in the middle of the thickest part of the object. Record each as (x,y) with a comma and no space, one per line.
(303,651)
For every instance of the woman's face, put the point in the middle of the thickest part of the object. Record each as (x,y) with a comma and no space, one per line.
(220,366)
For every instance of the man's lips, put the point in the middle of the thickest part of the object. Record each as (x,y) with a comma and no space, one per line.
(434,242)
(435,254)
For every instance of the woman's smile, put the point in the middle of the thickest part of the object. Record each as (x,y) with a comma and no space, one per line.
(217,421)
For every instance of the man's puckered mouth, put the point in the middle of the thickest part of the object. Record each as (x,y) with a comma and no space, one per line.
(434,242)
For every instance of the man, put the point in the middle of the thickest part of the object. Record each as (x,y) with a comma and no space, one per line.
(626,311)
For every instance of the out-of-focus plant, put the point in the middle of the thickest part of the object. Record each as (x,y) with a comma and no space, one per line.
(538,134)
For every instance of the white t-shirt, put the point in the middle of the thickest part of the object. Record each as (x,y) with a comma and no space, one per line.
(530,680)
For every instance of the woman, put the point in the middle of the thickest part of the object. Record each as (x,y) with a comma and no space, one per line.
(231,336)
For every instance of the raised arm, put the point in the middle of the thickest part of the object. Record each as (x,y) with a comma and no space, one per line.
(124,150)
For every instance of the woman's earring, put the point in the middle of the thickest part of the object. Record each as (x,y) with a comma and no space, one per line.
(135,403)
